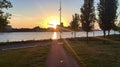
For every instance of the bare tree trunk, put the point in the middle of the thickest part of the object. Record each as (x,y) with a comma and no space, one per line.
(114,32)
(104,33)
(87,36)
(72,34)
(60,35)
(108,33)
(75,34)
(93,33)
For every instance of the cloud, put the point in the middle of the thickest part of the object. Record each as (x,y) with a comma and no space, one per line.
(17,15)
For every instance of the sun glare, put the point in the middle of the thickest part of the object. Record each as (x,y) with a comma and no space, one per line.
(53,23)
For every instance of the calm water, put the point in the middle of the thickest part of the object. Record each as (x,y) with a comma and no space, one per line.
(23,36)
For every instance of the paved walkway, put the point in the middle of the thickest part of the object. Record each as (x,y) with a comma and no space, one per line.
(58,57)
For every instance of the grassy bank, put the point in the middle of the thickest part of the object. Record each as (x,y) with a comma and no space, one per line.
(29,57)
(94,53)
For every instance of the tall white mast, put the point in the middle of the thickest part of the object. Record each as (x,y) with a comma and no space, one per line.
(60,16)
(60,11)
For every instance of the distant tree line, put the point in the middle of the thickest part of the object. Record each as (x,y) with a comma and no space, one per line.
(35,29)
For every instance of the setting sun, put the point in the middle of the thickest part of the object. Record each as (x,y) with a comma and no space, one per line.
(53,23)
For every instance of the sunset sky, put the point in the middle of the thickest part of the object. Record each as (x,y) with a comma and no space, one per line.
(31,13)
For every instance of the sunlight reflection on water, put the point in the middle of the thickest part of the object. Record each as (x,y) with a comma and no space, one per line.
(54,36)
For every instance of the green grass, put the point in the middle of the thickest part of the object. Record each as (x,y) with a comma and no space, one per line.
(95,53)
(28,57)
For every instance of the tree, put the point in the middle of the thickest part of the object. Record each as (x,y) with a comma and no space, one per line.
(107,14)
(115,25)
(4,4)
(118,27)
(87,16)
(75,23)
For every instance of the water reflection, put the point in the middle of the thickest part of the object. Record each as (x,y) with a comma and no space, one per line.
(54,36)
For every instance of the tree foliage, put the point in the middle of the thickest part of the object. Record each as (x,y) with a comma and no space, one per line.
(107,14)
(75,22)
(118,27)
(4,4)
(87,15)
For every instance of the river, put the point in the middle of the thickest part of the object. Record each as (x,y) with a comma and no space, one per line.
(24,36)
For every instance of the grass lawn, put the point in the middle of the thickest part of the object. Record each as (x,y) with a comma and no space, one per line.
(28,57)
(94,53)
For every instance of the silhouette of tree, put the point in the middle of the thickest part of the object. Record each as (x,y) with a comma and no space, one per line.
(115,28)
(107,14)
(118,27)
(115,25)
(87,16)
(75,23)
(4,4)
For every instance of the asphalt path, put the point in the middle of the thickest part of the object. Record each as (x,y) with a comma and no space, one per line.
(58,57)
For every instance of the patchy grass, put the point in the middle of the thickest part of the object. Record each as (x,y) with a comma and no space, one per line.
(94,53)
(29,57)
(22,42)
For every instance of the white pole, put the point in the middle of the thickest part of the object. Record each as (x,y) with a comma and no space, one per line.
(60,16)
